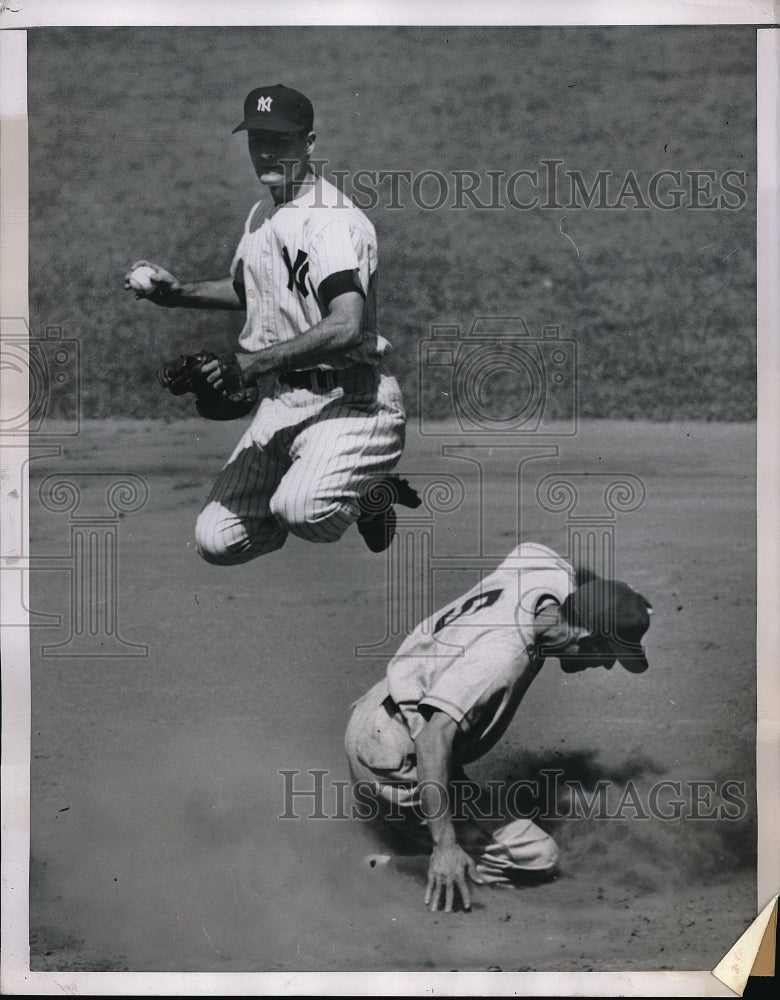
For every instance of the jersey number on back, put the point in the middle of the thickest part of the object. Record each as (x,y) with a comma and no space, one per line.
(469,607)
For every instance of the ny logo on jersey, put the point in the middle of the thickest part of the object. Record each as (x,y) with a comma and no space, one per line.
(264,103)
(297,272)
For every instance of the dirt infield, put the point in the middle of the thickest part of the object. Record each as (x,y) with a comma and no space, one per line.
(157,780)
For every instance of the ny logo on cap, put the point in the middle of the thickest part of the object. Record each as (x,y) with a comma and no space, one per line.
(264,103)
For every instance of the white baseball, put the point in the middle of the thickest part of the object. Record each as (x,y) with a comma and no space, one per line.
(140,280)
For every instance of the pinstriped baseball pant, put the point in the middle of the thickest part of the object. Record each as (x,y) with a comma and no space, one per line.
(300,467)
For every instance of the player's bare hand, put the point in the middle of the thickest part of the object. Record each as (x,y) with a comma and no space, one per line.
(234,381)
(150,281)
(252,366)
(450,869)
(213,372)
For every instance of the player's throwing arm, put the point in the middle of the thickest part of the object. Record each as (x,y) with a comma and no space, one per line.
(329,424)
(153,282)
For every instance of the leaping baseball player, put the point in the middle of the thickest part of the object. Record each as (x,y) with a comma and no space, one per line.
(329,429)
(449,694)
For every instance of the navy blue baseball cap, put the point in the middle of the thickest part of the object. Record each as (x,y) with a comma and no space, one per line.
(276,109)
(616,617)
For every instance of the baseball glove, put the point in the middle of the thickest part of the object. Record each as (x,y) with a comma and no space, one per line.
(185,374)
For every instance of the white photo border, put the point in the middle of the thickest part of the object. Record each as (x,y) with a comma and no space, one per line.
(16,975)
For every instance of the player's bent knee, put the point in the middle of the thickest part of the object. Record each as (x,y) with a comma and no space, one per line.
(527,847)
(214,557)
(225,540)
(547,856)
(541,856)
(313,521)
(215,549)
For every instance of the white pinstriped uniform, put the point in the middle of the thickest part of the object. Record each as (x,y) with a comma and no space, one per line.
(301,464)
(475,661)
(335,236)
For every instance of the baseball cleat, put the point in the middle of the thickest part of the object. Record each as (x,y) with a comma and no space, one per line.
(378,530)
(405,494)
(377,519)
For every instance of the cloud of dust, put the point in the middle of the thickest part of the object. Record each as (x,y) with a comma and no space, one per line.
(189,868)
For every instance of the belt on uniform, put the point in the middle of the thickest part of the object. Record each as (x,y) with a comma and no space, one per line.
(390,706)
(318,379)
